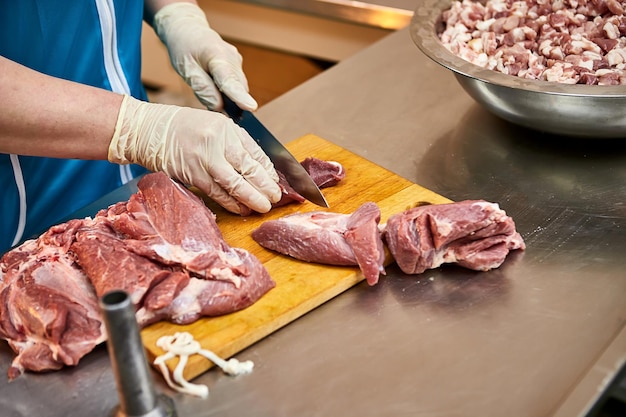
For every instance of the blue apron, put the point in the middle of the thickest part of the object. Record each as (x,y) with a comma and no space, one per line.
(94,42)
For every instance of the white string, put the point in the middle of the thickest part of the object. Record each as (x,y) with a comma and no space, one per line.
(183,345)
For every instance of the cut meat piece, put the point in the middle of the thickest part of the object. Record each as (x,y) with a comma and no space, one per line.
(289,195)
(324,174)
(475,234)
(312,237)
(364,238)
(49,312)
(329,238)
(163,247)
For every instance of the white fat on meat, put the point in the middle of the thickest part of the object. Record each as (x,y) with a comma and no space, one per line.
(616,57)
(183,253)
(227,273)
(611,30)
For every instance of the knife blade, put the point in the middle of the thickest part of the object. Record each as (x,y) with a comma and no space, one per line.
(283,160)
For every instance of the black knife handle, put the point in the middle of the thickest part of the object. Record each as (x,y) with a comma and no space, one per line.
(231,109)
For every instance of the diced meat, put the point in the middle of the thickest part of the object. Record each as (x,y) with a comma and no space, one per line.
(329,238)
(541,40)
(163,247)
(474,234)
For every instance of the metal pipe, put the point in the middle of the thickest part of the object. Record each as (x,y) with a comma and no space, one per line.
(135,386)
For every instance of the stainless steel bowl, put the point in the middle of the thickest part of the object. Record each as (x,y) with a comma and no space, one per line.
(574,110)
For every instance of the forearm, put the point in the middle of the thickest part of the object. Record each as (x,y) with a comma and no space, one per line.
(47,116)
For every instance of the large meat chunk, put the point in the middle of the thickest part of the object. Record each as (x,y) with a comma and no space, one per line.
(49,312)
(163,247)
(162,241)
(475,234)
(329,238)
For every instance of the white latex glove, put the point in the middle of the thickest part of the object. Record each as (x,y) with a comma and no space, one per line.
(205,61)
(197,147)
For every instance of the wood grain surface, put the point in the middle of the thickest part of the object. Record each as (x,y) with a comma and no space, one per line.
(300,286)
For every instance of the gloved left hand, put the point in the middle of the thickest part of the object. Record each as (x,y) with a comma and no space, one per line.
(205,61)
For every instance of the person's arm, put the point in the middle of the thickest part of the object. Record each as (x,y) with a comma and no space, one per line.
(47,116)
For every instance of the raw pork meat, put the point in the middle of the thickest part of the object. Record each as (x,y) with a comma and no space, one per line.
(165,237)
(329,238)
(566,41)
(105,257)
(49,312)
(163,247)
(289,195)
(475,234)
(324,174)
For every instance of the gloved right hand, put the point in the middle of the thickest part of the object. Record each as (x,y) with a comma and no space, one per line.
(197,147)
(203,59)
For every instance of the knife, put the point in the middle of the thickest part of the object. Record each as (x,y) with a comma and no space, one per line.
(283,160)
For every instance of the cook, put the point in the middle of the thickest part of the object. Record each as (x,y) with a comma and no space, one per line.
(75,123)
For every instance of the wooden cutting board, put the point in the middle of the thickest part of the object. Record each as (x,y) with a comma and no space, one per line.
(300,286)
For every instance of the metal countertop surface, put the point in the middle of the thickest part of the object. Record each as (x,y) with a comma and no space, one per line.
(537,337)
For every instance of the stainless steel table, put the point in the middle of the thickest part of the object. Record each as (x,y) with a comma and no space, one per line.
(537,337)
